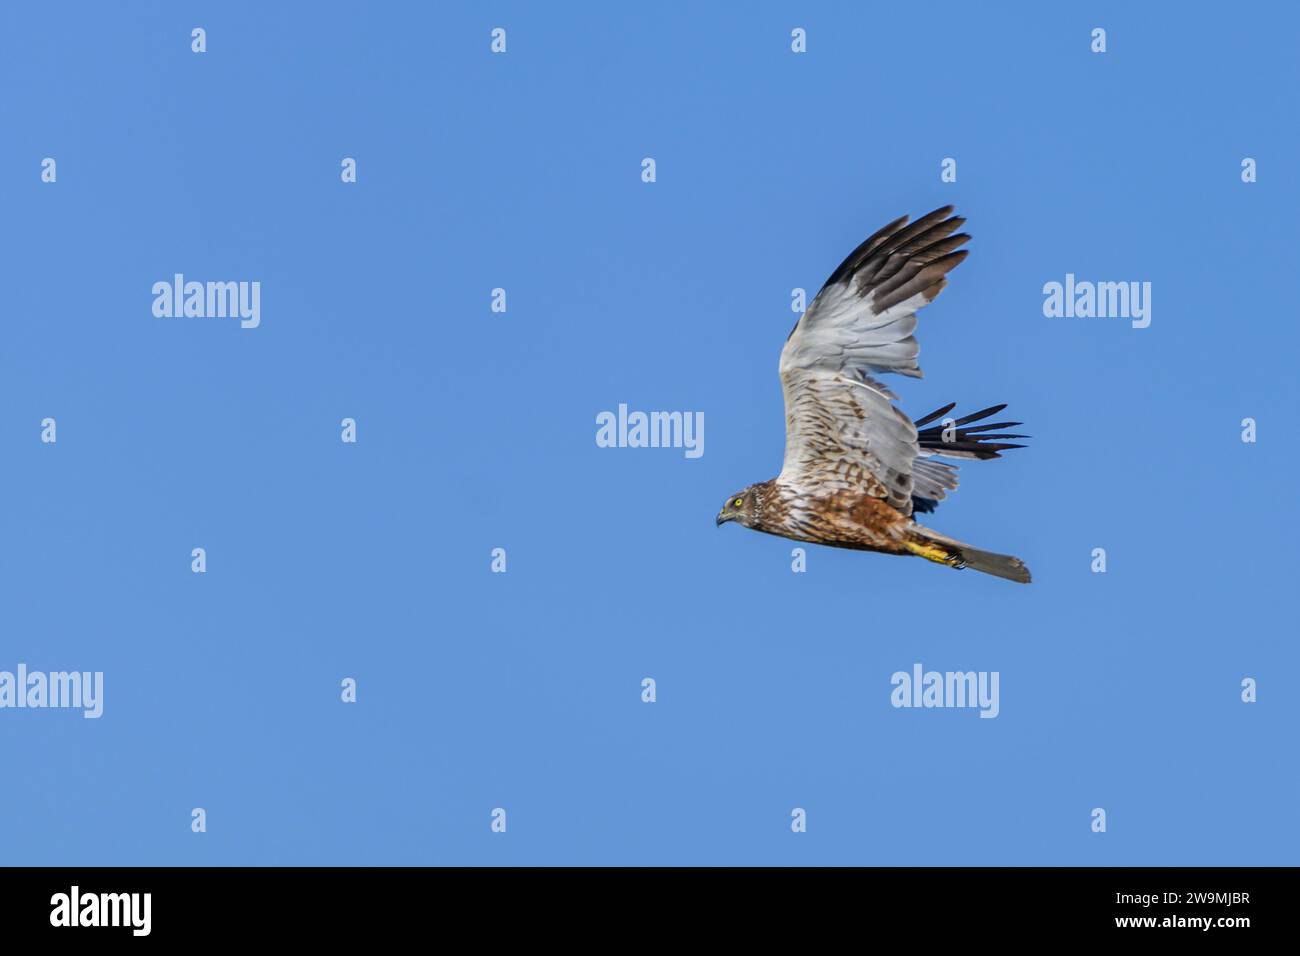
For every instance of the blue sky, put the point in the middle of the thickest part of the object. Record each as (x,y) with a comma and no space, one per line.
(476,430)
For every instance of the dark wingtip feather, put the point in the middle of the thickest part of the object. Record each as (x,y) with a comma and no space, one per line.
(977,441)
(982,413)
(935,414)
(992,426)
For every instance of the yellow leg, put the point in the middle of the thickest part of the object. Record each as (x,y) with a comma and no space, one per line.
(932,552)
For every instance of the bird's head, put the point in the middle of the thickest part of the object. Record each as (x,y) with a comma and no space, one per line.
(742,508)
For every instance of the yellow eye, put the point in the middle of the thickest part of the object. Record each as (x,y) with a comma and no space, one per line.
(738,502)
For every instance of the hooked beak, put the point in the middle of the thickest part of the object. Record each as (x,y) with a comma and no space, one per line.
(722,519)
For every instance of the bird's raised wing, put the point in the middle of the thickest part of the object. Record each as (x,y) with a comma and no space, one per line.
(842,430)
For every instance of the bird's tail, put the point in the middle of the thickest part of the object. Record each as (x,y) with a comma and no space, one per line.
(941,549)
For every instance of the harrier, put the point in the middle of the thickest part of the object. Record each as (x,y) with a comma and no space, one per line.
(856,469)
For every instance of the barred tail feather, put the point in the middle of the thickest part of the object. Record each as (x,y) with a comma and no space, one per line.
(998,565)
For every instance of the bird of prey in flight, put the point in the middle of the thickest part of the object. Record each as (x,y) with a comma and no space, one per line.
(857,470)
